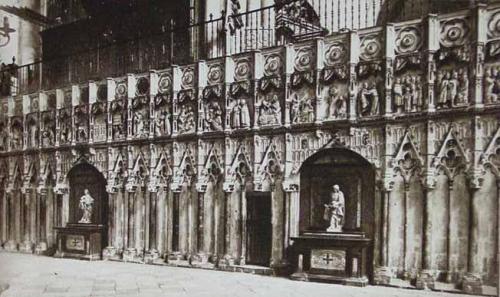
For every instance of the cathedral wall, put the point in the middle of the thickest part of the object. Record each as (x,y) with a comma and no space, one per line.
(182,148)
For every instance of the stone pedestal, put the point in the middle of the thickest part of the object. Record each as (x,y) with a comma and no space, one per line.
(81,241)
(26,247)
(425,280)
(151,256)
(41,248)
(332,257)
(10,246)
(472,284)
(130,255)
(382,275)
(110,253)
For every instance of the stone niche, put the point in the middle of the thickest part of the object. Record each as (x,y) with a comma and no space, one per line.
(84,235)
(343,255)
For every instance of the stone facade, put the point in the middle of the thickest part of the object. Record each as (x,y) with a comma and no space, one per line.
(419,100)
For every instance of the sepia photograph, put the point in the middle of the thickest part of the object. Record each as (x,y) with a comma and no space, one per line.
(249,148)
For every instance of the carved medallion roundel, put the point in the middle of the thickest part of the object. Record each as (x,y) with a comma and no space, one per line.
(303,59)
(187,78)
(335,54)
(242,70)
(164,83)
(494,25)
(454,33)
(272,65)
(370,48)
(408,40)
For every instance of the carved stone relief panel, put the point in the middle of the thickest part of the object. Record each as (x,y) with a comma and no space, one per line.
(32,130)
(140,108)
(301,146)
(99,158)
(211,162)
(81,118)
(370,92)
(47,170)
(16,128)
(240,105)
(269,103)
(185,108)
(243,68)
(118,164)
(65,125)
(212,102)
(163,106)
(239,162)
(302,98)
(491,84)
(269,161)
(185,164)
(119,118)
(162,166)
(368,142)
(407,93)
(48,128)
(452,86)
(491,155)
(98,113)
(139,166)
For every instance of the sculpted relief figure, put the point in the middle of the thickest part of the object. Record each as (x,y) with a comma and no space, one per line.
(337,106)
(213,116)
(33,134)
(162,124)
(269,111)
(48,136)
(368,99)
(81,127)
(453,88)
(86,205)
(490,81)
(301,109)
(335,210)
(407,94)
(240,114)
(186,121)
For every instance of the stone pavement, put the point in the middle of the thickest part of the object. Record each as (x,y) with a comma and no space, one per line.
(29,275)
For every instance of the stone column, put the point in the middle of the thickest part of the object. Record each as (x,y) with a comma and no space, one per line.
(110,251)
(183,232)
(277,208)
(209,198)
(139,223)
(243,226)
(233,238)
(168,227)
(130,252)
(153,216)
(193,222)
(27,245)
(219,224)
(3,216)
(383,273)
(41,245)
(49,231)
(426,277)
(10,245)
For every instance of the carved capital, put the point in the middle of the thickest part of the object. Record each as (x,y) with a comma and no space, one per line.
(201,187)
(290,186)
(228,187)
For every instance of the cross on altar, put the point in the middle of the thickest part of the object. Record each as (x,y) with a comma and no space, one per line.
(328,258)
(75,242)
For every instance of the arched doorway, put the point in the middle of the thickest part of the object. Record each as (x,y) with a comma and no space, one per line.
(342,254)
(84,236)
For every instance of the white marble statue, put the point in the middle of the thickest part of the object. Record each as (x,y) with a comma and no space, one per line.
(335,211)
(86,204)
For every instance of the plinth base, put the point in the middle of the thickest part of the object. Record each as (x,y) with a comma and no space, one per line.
(10,246)
(80,241)
(425,280)
(26,247)
(472,284)
(348,281)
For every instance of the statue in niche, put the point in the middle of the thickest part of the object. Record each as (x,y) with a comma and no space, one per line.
(3,138)
(490,75)
(33,133)
(294,108)
(162,124)
(269,111)
(397,95)
(452,87)
(17,137)
(117,122)
(337,107)
(240,114)
(416,87)
(443,79)
(86,204)
(335,210)
(302,110)
(139,129)
(65,132)
(213,116)
(368,98)
(186,119)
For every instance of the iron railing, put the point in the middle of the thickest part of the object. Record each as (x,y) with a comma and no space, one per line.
(232,33)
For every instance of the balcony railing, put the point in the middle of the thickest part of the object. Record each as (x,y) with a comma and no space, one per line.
(234,32)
